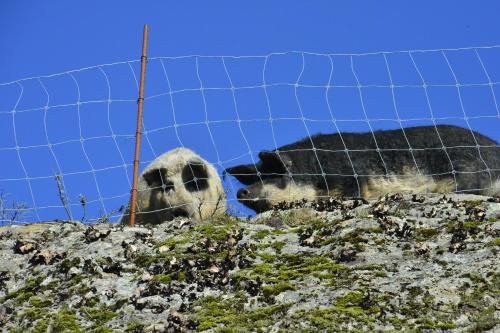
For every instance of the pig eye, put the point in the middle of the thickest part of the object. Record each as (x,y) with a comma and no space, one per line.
(167,186)
(283,182)
(195,176)
(155,178)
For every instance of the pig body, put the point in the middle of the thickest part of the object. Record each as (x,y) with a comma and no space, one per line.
(422,159)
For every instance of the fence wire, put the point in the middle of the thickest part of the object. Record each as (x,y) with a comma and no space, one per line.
(66,139)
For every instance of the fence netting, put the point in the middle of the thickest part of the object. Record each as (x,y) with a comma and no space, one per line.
(67,139)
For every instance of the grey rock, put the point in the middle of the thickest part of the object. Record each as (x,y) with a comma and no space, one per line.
(404,262)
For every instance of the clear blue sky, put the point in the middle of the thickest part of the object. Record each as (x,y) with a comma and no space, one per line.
(46,37)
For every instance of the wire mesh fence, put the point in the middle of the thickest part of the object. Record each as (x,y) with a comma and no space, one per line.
(67,139)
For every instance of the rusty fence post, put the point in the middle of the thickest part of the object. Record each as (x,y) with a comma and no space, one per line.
(140,102)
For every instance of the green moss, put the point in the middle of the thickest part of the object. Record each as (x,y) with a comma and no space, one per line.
(162,278)
(214,312)
(263,246)
(102,329)
(351,298)
(349,308)
(289,267)
(398,323)
(472,203)
(145,260)
(134,326)
(65,321)
(41,326)
(426,233)
(352,311)
(281,232)
(473,294)
(495,242)
(355,238)
(369,267)
(267,257)
(75,280)
(214,231)
(225,220)
(472,225)
(66,264)
(485,320)
(429,324)
(38,302)
(261,234)
(264,269)
(407,253)
(278,246)
(23,294)
(168,278)
(33,314)
(375,230)
(451,226)
(296,267)
(277,289)
(171,242)
(98,316)
(418,301)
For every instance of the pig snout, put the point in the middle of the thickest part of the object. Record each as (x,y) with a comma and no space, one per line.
(243,194)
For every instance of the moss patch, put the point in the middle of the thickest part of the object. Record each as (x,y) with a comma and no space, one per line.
(229,315)
(426,233)
(65,321)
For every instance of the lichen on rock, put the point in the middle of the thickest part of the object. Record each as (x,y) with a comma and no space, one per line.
(403,262)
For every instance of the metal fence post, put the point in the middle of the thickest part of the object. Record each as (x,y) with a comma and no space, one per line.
(140,103)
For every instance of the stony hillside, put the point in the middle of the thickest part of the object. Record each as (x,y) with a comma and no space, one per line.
(411,263)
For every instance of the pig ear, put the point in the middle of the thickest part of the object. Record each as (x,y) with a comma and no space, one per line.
(198,169)
(155,177)
(246,174)
(195,175)
(272,162)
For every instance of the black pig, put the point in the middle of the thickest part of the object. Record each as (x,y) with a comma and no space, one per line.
(421,159)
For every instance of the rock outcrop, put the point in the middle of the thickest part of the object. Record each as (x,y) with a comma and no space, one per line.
(405,262)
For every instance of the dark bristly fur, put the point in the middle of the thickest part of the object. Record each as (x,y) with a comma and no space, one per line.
(427,150)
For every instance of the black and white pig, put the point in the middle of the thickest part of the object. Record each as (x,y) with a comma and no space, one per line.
(178,183)
(423,159)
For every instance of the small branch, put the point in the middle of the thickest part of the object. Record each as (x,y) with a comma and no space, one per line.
(83,202)
(219,199)
(63,197)
(11,215)
(105,217)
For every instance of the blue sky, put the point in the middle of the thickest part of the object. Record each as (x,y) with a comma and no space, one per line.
(44,37)
(41,38)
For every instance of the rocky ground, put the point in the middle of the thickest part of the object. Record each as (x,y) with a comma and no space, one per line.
(403,263)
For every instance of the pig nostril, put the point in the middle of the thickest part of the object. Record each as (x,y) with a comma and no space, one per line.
(243,193)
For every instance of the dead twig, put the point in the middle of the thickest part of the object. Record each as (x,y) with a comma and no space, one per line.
(63,196)
(14,213)
(83,202)
(105,217)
